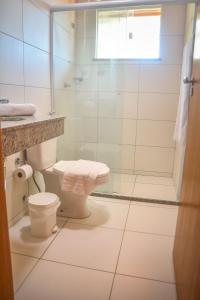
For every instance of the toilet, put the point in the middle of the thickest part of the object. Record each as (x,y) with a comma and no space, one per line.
(42,158)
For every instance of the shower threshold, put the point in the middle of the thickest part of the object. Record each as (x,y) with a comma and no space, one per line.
(140,188)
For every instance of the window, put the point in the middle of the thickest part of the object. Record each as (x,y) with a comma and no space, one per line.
(128,34)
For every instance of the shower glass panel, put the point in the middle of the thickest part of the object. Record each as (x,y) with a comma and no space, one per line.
(117,80)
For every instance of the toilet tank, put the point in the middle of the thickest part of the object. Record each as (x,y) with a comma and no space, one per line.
(42,156)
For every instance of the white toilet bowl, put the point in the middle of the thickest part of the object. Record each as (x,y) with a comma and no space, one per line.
(73,205)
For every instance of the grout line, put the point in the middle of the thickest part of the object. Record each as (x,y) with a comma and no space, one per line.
(38,258)
(31,270)
(76,266)
(146,278)
(119,252)
(151,233)
(57,233)
(23,41)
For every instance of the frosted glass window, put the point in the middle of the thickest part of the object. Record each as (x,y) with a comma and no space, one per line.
(128,34)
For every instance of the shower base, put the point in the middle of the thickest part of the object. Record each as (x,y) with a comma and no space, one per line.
(139,187)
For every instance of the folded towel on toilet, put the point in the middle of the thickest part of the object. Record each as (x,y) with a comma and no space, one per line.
(13,109)
(80,177)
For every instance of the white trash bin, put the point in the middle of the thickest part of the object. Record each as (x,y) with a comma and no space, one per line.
(42,211)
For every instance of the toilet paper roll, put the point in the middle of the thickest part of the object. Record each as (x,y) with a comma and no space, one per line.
(23,173)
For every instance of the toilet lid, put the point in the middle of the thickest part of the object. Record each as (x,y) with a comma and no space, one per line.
(100,168)
(43,200)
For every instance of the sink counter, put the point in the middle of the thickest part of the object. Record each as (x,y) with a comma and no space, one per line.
(20,135)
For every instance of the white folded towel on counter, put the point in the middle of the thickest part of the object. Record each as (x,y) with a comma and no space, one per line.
(80,177)
(13,109)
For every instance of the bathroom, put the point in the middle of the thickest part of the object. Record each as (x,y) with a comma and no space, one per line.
(109,106)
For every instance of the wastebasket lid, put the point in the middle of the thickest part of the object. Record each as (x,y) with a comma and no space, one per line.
(43,200)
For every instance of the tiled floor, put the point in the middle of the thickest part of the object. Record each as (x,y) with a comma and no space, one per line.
(122,251)
(140,186)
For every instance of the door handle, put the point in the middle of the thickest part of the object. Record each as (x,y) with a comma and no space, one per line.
(187,80)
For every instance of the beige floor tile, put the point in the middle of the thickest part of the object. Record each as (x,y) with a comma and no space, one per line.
(51,281)
(109,199)
(170,206)
(153,219)
(21,267)
(147,256)
(23,242)
(105,214)
(86,246)
(154,191)
(129,288)
(154,180)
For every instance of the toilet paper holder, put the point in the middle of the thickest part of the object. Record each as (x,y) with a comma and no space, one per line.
(19,162)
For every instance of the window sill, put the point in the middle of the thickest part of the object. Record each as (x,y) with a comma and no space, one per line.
(129,59)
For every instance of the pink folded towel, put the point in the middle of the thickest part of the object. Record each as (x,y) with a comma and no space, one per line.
(80,177)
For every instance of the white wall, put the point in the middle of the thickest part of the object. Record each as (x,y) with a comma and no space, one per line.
(123,113)
(24,73)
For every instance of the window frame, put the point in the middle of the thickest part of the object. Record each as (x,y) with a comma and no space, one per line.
(128,59)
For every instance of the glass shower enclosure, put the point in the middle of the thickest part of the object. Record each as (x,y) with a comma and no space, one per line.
(116,75)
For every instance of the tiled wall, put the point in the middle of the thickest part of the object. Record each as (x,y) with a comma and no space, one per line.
(123,113)
(24,73)
(64,89)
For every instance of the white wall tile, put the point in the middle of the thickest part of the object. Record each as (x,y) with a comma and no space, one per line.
(118,105)
(35,35)
(154,159)
(14,196)
(173,19)
(66,19)
(64,102)
(63,43)
(160,79)
(158,106)
(11,60)
(117,131)
(86,104)
(40,97)
(11,18)
(88,74)
(171,49)
(36,67)
(85,51)
(86,23)
(81,129)
(75,151)
(155,133)
(116,156)
(12,92)
(118,77)
(63,74)
(10,163)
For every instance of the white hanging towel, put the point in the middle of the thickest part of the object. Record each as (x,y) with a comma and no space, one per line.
(182,113)
(13,109)
(80,176)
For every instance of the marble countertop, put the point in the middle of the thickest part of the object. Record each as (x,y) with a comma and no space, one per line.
(30,120)
(21,135)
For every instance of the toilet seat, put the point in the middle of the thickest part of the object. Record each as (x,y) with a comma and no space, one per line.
(103,171)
